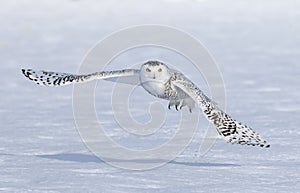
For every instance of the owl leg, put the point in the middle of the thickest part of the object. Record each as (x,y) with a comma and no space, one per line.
(189,103)
(175,103)
(171,103)
(182,104)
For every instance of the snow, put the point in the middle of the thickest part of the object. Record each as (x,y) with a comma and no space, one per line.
(256,45)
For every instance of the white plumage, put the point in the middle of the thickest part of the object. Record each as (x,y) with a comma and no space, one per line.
(163,82)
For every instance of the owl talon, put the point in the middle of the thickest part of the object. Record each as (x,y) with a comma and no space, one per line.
(176,107)
(169,107)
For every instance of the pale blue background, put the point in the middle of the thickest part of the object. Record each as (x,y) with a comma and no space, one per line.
(255,43)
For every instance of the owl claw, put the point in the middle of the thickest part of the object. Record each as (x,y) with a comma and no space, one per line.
(179,104)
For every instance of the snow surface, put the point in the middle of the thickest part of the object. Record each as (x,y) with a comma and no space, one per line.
(256,44)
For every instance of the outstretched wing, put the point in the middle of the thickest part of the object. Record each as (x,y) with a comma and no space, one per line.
(129,76)
(232,131)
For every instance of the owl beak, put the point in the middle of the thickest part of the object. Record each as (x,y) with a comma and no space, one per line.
(154,77)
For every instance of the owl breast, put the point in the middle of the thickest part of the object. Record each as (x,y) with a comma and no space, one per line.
(155,88)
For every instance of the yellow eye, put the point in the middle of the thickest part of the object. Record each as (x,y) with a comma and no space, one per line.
(159,70)
(148,70)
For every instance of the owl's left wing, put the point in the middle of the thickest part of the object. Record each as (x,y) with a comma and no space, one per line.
(232,131)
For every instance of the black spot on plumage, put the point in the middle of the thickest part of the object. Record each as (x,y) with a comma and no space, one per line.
(153,63)
(28,74)
(57,81)
(226,132)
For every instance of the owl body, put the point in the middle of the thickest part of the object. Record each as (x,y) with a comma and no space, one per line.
(155,88)
(155,77)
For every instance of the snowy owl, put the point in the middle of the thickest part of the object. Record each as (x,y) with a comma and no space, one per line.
(163,82)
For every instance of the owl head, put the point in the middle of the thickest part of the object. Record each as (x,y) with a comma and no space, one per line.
(154,70)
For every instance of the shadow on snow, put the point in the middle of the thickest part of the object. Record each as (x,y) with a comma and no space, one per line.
(84,158)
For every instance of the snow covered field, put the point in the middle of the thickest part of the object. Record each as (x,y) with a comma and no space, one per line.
(256,44)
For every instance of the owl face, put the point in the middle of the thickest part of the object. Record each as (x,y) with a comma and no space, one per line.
(154,71)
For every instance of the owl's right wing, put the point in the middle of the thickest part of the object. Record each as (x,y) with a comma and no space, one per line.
(128,76)
(232,131)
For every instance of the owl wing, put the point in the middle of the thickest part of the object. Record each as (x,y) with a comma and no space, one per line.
(232,131)
(128,76)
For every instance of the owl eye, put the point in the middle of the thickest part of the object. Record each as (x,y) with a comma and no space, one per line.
(148,70)
(159,70)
